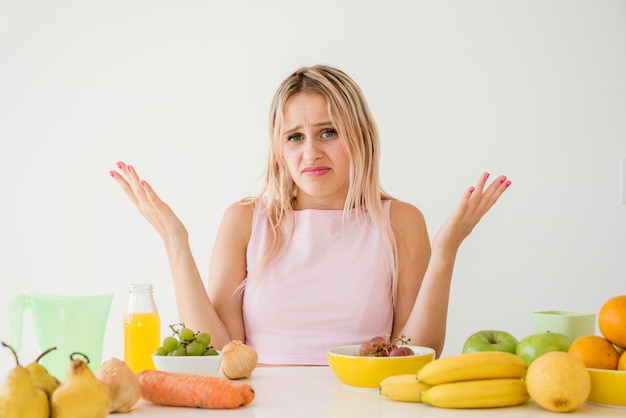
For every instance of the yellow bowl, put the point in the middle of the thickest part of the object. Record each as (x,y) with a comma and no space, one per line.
(367,372)
(608,387)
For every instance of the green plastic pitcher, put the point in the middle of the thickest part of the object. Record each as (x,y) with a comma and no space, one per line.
(69,323)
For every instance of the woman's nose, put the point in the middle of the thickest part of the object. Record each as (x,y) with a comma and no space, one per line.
(312,150)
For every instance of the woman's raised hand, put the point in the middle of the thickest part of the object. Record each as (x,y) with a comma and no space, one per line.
(159,214)
(476,201)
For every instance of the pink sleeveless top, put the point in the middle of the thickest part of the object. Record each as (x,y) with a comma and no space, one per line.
(331,287)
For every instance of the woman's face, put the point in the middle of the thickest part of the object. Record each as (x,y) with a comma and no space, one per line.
(313,153)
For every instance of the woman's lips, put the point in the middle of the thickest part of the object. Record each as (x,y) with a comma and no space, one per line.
(316,171)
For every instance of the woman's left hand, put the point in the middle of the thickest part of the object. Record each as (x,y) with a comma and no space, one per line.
(476,201)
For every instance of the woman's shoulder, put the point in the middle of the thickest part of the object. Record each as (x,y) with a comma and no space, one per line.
(238,216)
(403,212)
(243,208)
(402,208)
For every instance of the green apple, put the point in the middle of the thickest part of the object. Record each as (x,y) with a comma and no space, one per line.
(533,346)
(490,340)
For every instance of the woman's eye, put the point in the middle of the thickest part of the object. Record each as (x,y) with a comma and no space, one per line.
(329,133)
(294,138)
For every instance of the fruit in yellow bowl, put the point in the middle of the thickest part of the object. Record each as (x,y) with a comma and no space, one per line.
(595,352)
(361,371)
(621,364)
(607,387)
(612,320)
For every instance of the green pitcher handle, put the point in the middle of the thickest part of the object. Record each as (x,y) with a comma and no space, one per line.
(16,317)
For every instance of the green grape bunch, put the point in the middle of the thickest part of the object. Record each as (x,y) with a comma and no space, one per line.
(186,342)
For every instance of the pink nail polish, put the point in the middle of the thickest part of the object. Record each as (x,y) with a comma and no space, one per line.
(471,190)
(502,180)
(486,176)
(112,173)
(508,183)
(119,165)
(128,168)
(143,183)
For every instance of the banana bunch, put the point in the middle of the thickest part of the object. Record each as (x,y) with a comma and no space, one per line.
(474,380)
(403,387)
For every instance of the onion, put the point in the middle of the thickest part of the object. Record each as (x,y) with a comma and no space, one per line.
(238,360)
(122,382)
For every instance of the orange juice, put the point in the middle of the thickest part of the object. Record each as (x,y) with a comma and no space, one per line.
(141,339)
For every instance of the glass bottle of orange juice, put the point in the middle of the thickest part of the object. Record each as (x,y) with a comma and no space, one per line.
(142,328)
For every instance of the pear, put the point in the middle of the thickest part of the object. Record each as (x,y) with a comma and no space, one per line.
(40,375)
(82,394)
(19,397)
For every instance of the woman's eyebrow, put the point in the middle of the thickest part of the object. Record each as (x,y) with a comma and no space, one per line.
(299,127)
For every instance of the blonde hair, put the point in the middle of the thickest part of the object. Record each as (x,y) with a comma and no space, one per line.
(351,117)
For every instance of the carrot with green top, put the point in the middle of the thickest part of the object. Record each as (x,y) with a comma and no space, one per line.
(191,390)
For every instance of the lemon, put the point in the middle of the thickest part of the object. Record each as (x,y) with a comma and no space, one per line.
(558,381)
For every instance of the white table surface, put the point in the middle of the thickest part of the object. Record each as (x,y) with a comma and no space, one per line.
(302,392)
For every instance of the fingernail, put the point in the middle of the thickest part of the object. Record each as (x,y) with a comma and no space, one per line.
(128,168)
(471,190)
(119,165)
(486,176)
(502,180)
(143,183)
(508,183)
(112,173)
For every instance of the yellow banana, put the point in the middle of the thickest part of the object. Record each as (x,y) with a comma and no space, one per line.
(485,393)
(472,366)
(403,387)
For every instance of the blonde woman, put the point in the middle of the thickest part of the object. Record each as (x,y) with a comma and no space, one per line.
(322,256)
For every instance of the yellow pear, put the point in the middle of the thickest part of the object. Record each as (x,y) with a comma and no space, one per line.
(40,375)
(558,381)
(82,395)
(19,397)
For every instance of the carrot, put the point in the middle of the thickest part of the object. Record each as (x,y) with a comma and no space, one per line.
(191,390)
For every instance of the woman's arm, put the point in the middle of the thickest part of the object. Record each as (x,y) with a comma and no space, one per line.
(195,308)
(426,322)
(413,246)
(228,268)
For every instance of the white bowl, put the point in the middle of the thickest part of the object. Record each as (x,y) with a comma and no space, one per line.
(203,365)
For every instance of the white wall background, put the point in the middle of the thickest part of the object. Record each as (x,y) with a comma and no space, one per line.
(532,89)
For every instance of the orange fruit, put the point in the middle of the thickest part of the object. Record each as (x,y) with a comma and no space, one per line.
(612,320)
(595,351)
(621,364)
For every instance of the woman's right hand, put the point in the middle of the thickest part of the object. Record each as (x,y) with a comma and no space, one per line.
(474,204)
(157,212)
